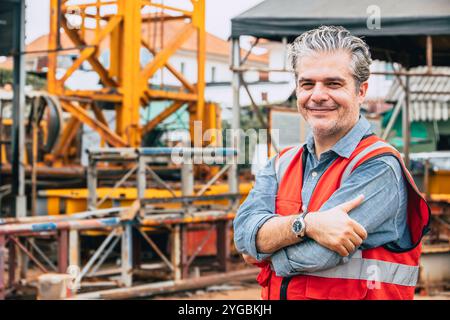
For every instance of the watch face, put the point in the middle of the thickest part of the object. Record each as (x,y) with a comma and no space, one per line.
(297,226)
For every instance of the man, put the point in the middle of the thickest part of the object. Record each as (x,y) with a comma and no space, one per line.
(339,217)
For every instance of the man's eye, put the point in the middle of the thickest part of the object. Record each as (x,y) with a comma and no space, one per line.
(307,85)
(334,84)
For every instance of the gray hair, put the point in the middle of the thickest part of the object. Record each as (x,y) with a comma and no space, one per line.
(329,39)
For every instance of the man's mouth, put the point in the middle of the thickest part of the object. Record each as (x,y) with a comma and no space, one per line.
(320,109)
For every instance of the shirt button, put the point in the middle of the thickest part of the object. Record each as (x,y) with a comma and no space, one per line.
(314,174)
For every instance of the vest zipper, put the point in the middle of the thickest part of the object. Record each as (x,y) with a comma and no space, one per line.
(284,287)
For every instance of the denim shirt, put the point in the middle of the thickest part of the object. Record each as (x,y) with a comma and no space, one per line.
(382,214)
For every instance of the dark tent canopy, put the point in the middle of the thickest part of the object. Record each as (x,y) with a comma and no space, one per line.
(404,24)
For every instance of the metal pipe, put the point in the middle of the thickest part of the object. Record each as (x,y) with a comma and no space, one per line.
(190,199)
(233,174)
(252,103)
(104,256)
(187,178)
(118,184)
(63,248)
(34,160)
(426,178)
(284,42)
(18,130)
(60,225)
(406,123)
(216,151)
(161,151)
(160,181)
(393,118)
(223,243)
(429,54)
(75,216)
(97,253)
(28,253)
(141,179)
(250,51)
(43,256)
(92,184)
(172,219)
(213,180)
(74,248)
(155,247)
(127,256)
(176,252)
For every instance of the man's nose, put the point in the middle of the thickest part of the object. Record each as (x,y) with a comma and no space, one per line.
(319,93)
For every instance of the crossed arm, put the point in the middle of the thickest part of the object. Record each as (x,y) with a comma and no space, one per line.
(332,233)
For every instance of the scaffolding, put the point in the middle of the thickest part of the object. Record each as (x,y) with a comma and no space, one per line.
(129,225)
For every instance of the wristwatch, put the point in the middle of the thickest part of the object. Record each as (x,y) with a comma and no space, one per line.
(299,225)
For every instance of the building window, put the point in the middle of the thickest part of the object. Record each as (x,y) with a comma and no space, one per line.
(182,68)
(264,96)
(213,74)
(263,76)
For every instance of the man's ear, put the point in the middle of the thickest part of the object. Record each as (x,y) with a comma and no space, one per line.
(362,91)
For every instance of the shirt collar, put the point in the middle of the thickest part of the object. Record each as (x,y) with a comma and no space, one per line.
(347,144)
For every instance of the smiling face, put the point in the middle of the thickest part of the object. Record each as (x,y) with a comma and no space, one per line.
(327,96)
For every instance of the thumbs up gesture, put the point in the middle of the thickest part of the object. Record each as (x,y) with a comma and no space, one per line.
(335,230)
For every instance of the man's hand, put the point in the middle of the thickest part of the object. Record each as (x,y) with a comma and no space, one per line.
(335,230)
(250,260)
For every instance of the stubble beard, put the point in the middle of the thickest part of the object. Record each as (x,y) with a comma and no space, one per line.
(330,131)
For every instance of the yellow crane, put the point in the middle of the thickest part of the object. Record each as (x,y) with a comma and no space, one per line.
(125,83)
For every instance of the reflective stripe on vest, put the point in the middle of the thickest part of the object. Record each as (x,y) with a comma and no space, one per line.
(358,268)
(377,145)
(282,162)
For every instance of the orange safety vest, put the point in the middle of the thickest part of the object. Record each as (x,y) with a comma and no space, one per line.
(378,273)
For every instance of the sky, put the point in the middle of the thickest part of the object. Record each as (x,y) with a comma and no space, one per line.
(218,15)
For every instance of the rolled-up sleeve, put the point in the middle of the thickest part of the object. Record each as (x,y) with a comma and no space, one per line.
(382,214)
(258,207)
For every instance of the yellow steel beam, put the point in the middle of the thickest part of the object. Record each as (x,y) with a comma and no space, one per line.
(165,18)
(170,95)
(162,6)
(93,95)
(52,46)
(87,52)
(172,69)
(82,115)
(100,117)
(198,20)
(96,65)
(161,58)
(83,6)
(99,114)
(106,17)
(69,132)
(128,121)
(193,130)
(162,116)
(115,52)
